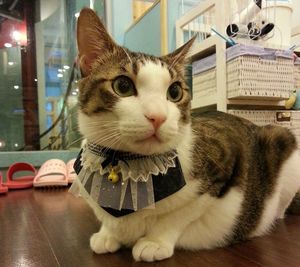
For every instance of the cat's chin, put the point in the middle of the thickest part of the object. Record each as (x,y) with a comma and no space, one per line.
(154,139)
(149,146)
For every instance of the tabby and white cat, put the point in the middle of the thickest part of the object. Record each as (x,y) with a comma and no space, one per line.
(239,177)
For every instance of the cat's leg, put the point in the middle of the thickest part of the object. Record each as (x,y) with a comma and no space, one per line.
(214,227)
(289,181)
(160,240)
(203,223)
(104,241)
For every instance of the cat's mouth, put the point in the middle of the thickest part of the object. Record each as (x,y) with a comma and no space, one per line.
(153,138)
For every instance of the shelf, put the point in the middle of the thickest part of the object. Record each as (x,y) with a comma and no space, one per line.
(204,49)
(210,100)
(198,28)
(215,45)
(251,102)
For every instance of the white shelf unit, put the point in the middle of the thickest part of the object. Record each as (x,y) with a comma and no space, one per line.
(214,44)
(210,45)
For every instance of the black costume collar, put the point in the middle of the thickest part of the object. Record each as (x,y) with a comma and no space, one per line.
(164,185)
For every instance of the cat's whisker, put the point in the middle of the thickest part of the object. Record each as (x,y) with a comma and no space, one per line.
(107,124)
(115,143)
(112,143)
(102,127)
(75,141)
(108,135)
(104,121)
(107,138)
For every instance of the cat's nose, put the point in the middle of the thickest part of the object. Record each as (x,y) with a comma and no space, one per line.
(156,120)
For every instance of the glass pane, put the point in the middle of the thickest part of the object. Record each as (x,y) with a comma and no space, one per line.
(11,99)
(38,81)
(49,107)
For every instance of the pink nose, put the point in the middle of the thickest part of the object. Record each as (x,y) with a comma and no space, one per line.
(156,120)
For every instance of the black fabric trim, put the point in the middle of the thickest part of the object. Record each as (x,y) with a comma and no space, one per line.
(77,164)
(168,184)
(117,213)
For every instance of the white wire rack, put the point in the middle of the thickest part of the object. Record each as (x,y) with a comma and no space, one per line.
(223,86)
(248,20)
(199,21)
(243,20)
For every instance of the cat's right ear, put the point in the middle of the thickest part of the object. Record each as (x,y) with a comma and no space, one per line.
(92,39)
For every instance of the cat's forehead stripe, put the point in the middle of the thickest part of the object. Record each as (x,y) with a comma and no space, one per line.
(172,73)
(154,75)
(135,68)
(140,59)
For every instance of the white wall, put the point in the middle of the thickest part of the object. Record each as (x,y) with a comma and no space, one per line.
(296,24)
(296,13)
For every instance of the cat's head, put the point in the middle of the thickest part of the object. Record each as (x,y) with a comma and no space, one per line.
(130,101)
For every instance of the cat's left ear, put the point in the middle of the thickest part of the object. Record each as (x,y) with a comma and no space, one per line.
(180,54)
(92,39)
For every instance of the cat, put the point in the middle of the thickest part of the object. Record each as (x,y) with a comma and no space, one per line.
(239,177)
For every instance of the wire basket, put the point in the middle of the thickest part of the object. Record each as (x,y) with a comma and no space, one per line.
(204,77)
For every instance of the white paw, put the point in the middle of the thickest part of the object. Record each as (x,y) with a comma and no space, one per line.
(147,250)
(102,243)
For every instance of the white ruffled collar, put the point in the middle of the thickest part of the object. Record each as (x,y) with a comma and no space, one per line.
(135,167)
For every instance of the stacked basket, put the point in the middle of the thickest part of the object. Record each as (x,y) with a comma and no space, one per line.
(297,73)
(289,119)
(252,73)
(204,77)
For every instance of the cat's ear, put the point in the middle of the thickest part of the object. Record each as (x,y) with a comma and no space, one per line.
(180,54)
(92,39)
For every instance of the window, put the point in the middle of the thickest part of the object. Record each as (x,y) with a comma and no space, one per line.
(38,85)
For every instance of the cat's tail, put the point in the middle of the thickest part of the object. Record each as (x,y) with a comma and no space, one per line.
(294,207)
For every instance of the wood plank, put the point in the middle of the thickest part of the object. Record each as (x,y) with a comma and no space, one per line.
(52,228)
(279,248)
(68,223)
(207,258)
(22,240)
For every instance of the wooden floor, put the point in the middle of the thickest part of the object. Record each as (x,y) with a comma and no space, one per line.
(52,228)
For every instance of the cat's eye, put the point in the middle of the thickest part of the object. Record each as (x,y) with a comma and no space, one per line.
(174,92)
(124,86)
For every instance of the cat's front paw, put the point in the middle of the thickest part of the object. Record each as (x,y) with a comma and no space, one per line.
(103,243)
(150,250)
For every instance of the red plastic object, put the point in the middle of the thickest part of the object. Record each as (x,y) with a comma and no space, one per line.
(20,182)
(3,189)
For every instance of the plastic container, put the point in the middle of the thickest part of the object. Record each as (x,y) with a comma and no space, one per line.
(279,13)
